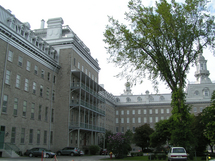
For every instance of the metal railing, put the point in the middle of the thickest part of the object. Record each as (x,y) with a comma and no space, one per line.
(86,126)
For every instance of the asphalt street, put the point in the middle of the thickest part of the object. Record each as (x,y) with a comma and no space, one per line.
(58,158)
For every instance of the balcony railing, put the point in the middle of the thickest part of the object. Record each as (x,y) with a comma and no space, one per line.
(86,88)
(87,105)
(86,126)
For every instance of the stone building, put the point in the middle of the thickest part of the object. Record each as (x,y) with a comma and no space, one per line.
(50,94)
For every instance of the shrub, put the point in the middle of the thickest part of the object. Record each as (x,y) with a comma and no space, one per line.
(94,149)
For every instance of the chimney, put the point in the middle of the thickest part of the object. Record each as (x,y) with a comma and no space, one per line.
(42,24)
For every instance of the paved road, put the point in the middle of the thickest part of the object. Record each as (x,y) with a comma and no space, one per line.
(58,158)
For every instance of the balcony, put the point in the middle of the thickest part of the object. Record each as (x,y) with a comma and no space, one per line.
(86,126)
(88,106)
(87,89)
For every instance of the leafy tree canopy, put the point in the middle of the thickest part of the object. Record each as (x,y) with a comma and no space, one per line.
(161,41)
(141,136)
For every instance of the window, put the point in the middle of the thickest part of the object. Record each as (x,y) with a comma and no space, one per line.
(145,120)
(31,136)
(167,110)
(150,119)
(162,118)
(53,95)
(196,93)
(117,129)
(133,120)
(13,135)
(34,87)
(7,78)
(139,111)
(20,61)
(78,65)
(26,84)
(32,110)
(128,99)
(201,108)
(51,137)
(10,56)
(24,108)
(150,111)
(122,112)
(35,69)
(122,120)
(74,61)
(46,114)
(139,99)
(15,106)
(42,73)
(128,120)
(122,129)
(117,120)
(41,90)
(86,71)
(133,129)
(117,112)
(47,93)
(22,141)
(54,81)
(48,76)
(89,74)
(145,111)
(127,112)
(28,66)
(52,116)
(18,81)
(82,68)
(38,136)
(156,111)
(162,98)
(4,107)
(156,119)
(162,111)
(40,112)
(45,137)
(139,119)
(133,112)
(195,109)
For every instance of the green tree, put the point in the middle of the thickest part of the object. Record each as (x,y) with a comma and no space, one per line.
(119,144)
(163,42)
(141,136)
(208,121)
(162,134)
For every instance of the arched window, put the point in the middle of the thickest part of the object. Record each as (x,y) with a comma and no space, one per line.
(162,98)
(117,100)
(128,99)
(139,99)
(151,98)
(206,92)
(196,93)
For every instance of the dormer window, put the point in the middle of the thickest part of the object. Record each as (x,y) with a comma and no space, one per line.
(196,93)
(162,98)
(206,92)
(117,100)
(139,99)
(128,99)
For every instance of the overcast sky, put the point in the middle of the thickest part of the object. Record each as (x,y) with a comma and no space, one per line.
(88,18)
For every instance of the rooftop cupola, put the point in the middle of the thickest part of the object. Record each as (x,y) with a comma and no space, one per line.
(202,73)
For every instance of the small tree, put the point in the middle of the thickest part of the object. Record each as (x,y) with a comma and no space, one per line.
(208,120)
(94,149)
(119,144)
(141,136)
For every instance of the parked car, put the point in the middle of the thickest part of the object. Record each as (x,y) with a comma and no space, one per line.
(69,151)
(177,153)
(103,152)
(81,152)
(35,152)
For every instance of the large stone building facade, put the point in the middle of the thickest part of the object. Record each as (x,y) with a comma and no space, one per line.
(50,93)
